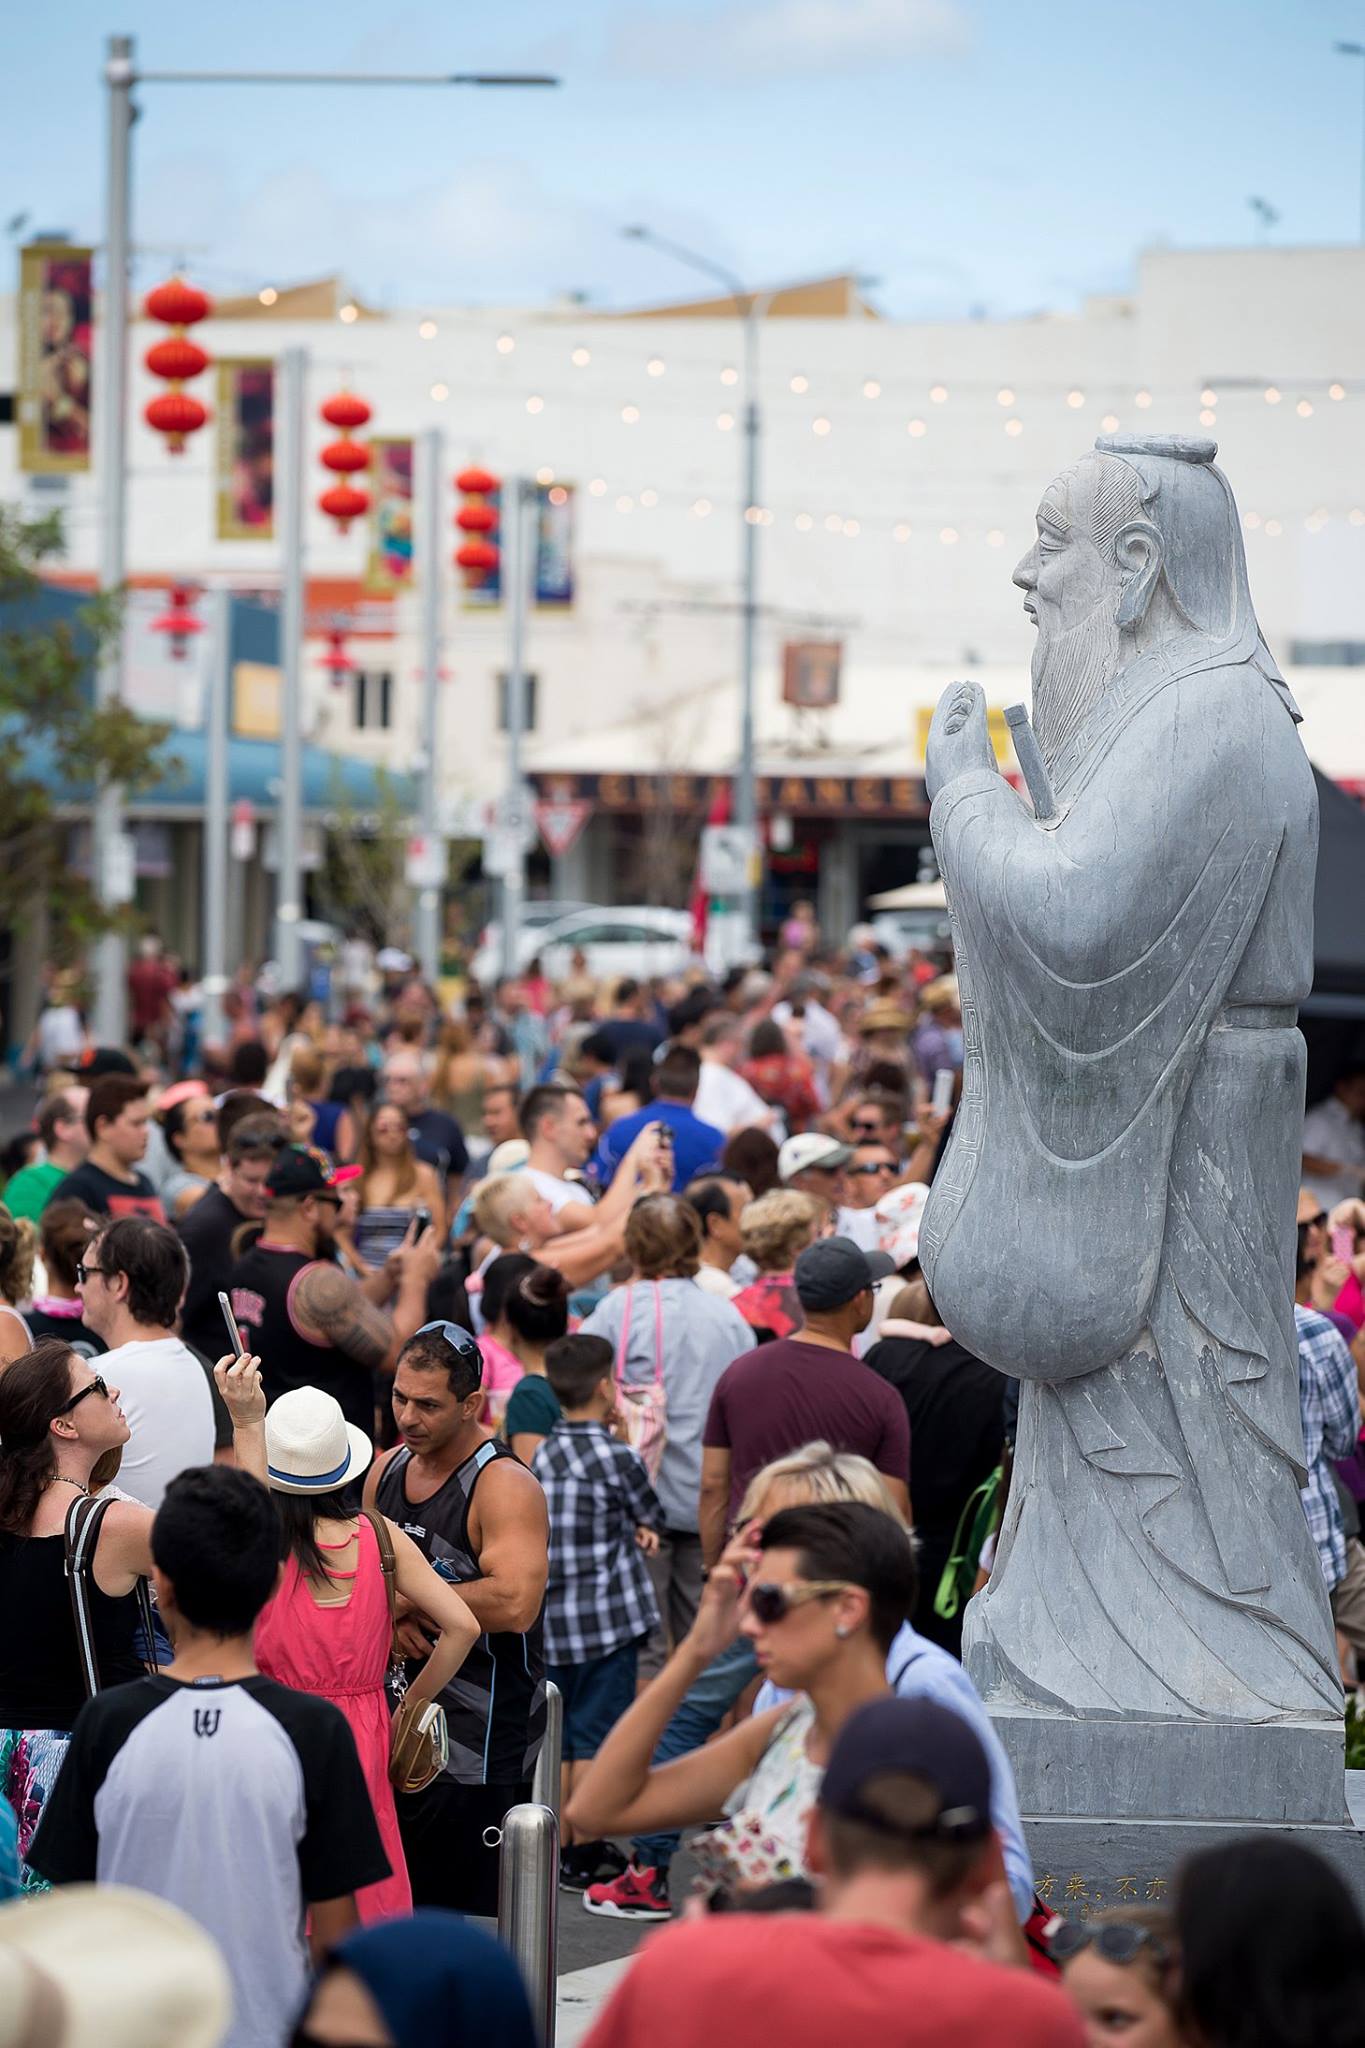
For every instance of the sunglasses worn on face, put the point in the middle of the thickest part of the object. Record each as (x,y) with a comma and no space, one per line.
(1118,1941)
(95,1386)
(873,1166)
(1309,1222)
(772,1603)
(867,1130)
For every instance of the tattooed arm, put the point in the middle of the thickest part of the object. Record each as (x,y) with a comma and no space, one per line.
(331,1308)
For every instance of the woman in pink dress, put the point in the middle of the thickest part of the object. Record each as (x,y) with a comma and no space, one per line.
(327,1628)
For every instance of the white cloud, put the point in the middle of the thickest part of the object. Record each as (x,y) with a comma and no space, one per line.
(737,42)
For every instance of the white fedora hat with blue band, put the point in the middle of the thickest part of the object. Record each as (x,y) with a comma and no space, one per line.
(310,1447)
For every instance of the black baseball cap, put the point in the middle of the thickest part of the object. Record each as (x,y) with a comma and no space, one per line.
(923,1740)
(833,1269)
(104,1059)
(299,1170)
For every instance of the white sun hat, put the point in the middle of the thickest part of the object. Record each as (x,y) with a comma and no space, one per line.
(899,1215)
(310,1447)
(103,1966)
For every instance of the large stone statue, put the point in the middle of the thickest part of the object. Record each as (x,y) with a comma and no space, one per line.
(1113,1220)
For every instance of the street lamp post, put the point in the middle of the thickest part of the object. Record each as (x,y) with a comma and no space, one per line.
(110,859)
(1357,50)
(750,308)
(429,481)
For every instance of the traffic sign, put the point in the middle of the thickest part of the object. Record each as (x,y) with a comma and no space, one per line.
(425,866)
(514,812)
(561,823)
(729,859)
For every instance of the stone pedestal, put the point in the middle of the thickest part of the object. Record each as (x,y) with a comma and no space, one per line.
(1083,1865)
(1250,1774)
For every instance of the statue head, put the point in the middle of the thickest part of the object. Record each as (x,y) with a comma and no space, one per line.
(1138,545)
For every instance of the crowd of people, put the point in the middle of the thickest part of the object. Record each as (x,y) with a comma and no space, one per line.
(365,1374)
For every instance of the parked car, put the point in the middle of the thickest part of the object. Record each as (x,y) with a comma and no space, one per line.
(636,940)
(486,961)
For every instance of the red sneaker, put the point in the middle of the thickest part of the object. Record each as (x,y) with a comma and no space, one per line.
(636,1895)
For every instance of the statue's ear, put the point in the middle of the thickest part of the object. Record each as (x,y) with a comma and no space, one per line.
(1138,550)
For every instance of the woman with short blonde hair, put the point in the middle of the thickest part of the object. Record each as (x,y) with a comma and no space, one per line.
(815,1473)
(774,1231)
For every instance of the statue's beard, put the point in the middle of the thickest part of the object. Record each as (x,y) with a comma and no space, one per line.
(1070,672)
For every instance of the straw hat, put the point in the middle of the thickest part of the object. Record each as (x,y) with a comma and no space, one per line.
(884,1017)
(310,1447)
(107,1967)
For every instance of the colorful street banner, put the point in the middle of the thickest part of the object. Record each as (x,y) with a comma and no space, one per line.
(388,565)
(554,586)
(246,448)
(56,341)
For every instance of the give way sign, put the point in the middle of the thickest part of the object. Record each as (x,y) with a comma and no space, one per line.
(559,824)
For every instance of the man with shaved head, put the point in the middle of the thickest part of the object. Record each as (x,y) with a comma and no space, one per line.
(436,1137)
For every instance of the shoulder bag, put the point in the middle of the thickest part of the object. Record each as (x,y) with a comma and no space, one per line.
(644,1409)
(81,1535)
(419,1742)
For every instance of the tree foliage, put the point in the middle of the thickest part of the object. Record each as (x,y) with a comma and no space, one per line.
(55,741)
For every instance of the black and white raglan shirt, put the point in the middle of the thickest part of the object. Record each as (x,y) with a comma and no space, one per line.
(239,1801)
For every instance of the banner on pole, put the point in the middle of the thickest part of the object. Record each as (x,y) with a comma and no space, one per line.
(246,448)
(554,545)
(56,336)
(388,564)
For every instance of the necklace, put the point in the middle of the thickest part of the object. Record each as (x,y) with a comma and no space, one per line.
(62,1480)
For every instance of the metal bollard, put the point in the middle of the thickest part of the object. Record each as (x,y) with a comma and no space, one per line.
(545,1784)
(528,1906)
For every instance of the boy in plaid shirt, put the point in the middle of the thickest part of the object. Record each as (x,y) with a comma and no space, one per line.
(599,1602)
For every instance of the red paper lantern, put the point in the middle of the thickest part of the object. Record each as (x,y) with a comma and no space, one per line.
(175,414)
(476,519)
(179,620)
(345,456)
(477,554)
(476,482)
(344,503)
(176,358)
(177,304)
(346,411)
(336,660)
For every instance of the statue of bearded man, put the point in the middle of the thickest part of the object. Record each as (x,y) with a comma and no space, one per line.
(1113,1220)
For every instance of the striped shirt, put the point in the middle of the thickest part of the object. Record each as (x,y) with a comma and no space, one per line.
(599,1594)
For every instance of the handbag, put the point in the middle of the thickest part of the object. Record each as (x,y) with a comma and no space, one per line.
(81,1535)
(419,1741)
(974,1525)
(644,1409)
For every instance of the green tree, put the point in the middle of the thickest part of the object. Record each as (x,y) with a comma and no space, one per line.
(48,715)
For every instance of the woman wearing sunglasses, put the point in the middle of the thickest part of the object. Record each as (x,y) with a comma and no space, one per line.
(819,1592)
(58,1419)
(1119,1969)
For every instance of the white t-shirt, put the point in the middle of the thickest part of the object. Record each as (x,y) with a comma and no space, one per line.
(165,1395)
(1331,1132)
(725,1099)
(558,1193)
(712,1281)
(61,1037)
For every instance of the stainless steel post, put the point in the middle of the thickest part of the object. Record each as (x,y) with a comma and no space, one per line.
(429,570)
(545,1784)
(746,794)
(528,1906)
(293,374)
(217,724)
(519,508)
(111,412)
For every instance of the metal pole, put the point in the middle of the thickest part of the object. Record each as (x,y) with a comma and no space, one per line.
(111,405)
(216,798)
(519,505)
(545,1784)
(528,1906)
(746,794)
(293,375)
(430,463)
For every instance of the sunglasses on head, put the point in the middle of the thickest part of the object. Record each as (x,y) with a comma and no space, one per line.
(771,1603)
(94,1386)
(1117,1941)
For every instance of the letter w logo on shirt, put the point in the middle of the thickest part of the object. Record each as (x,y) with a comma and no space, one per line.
(206,1720)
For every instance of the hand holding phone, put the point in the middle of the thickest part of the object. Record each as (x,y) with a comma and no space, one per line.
(1343,1240)
(942,1097)
(421,1222)
(236,1342)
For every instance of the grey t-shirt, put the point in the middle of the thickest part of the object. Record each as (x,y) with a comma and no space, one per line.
(694,1336)
(242,1803)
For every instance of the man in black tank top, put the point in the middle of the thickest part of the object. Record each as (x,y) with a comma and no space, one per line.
(480,1518)
(308,1321)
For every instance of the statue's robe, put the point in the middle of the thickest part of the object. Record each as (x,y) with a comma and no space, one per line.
(1113,1220)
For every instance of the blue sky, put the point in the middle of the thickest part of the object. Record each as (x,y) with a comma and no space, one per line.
(966,153)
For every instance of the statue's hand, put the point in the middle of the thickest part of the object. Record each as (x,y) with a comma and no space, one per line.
(958,738)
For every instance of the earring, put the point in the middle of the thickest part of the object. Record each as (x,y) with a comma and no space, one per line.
(840,1631)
